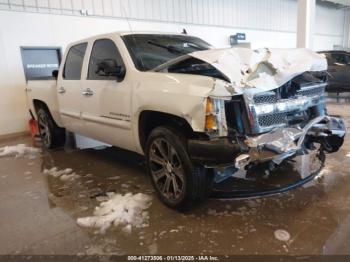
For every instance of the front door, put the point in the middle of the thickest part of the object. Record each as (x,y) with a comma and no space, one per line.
(106,101)
(69,91)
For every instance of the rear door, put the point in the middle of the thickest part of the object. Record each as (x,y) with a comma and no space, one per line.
(69,88)
(106,100)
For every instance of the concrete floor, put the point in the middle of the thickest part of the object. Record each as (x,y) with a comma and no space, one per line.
(38,213)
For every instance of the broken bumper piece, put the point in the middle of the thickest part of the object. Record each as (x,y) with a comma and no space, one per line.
(283,143)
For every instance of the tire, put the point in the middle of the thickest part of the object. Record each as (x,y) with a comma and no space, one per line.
(168,163)
(51,135)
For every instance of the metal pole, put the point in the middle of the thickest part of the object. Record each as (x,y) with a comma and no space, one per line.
(306,23)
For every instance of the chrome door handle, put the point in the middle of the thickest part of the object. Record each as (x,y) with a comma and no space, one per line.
(61,90)
(88,92)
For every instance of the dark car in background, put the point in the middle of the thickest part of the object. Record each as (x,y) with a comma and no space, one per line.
(339,71)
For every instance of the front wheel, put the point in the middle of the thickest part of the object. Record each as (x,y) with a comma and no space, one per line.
(178,183)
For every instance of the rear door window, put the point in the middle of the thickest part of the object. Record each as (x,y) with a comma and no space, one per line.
(74,62)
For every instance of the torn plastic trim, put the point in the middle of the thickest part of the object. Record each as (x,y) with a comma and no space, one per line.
(283,143)
(239,194)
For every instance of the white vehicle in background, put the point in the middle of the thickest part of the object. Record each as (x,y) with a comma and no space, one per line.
(189,108)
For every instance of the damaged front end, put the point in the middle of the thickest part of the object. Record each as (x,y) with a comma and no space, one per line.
(289,120)
(266,106)
(285,142)
(272,126)
(269,127)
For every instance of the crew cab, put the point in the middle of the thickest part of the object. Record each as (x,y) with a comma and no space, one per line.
(189,108)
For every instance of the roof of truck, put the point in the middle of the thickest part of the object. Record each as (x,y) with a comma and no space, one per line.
(146,33)
(122,33)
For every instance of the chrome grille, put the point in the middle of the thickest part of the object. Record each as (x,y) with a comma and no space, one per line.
(269,110)
(272,119)
(312,91)
(265,98)
(272,97)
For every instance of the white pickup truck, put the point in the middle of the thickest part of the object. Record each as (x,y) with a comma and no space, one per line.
(189,108)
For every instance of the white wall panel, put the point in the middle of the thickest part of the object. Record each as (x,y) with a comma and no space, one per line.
(329,21)
(77,5)
(277,15)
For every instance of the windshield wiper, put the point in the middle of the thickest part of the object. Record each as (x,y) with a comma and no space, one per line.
(170,48)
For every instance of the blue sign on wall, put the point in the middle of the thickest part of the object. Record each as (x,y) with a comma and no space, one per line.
(240,36)
(237,37)
(39,62)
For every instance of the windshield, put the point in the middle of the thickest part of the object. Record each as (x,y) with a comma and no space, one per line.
(149,51)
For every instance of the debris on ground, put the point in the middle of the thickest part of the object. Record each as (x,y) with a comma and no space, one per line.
(211,212)
(114,178)
(282,235)
(153,249)
(18,151)
(127,210)
(323,172)
(102,198)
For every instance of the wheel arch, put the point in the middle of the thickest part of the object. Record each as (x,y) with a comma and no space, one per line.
(37,103)
(150,119)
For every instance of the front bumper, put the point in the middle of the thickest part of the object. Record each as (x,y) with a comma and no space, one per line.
(275,146)
(282,143)
(220,151)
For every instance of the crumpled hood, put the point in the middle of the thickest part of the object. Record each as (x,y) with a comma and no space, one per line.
(264,69)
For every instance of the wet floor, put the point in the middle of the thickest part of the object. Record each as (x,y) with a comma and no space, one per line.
(38,212)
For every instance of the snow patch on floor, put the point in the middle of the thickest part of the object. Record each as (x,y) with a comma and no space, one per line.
(64,175)
(127,210)
(19,150)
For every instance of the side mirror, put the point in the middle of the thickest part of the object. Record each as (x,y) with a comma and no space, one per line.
(55,74)
(120,73)
(109,67)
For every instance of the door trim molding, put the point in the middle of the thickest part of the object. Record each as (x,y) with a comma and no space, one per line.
(122,124)
(70,114)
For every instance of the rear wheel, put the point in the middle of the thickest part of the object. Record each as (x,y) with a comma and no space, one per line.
(51,135)
(178,183)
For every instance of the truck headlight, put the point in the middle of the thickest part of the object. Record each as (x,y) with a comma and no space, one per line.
(215,118)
